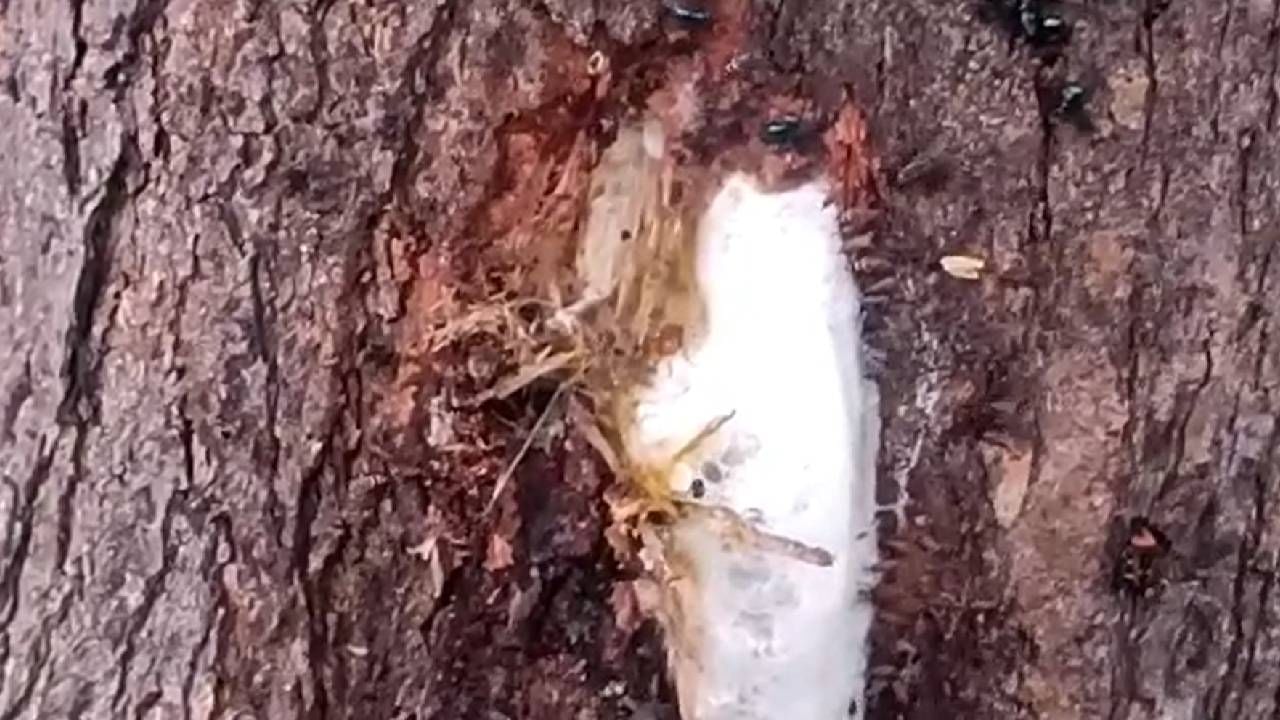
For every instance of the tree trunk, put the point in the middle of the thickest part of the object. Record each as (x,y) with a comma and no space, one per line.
(244,476)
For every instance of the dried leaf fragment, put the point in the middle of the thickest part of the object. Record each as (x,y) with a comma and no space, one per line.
(589,426)
(542,366)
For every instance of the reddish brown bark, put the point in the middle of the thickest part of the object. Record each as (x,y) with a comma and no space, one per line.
(238,478)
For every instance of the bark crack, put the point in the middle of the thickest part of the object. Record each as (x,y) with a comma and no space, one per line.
(1243,157)
(1223,29)
(318,47)
(152,588)
(219,620)
(119,75)
(1261,306)
(70,141)
(18,526)
(41,648)
(18,396)
(80,366)
(1146,46)
(263,344)
(308,504)
(1245,566)
(431,47)
(1273,45)
(1180,432)
(77,40)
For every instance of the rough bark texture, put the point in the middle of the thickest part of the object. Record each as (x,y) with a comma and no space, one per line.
(239,482)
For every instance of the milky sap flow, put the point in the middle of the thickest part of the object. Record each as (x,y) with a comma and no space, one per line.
(782,358)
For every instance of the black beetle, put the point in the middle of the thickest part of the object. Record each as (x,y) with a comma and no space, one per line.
(688,11)
(783,131)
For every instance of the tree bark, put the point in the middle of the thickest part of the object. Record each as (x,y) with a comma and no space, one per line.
(241,478)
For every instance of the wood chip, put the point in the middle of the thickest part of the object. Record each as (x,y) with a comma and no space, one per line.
(963,266)
(500,555)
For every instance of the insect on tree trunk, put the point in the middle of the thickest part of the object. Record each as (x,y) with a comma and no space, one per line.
(246,471)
